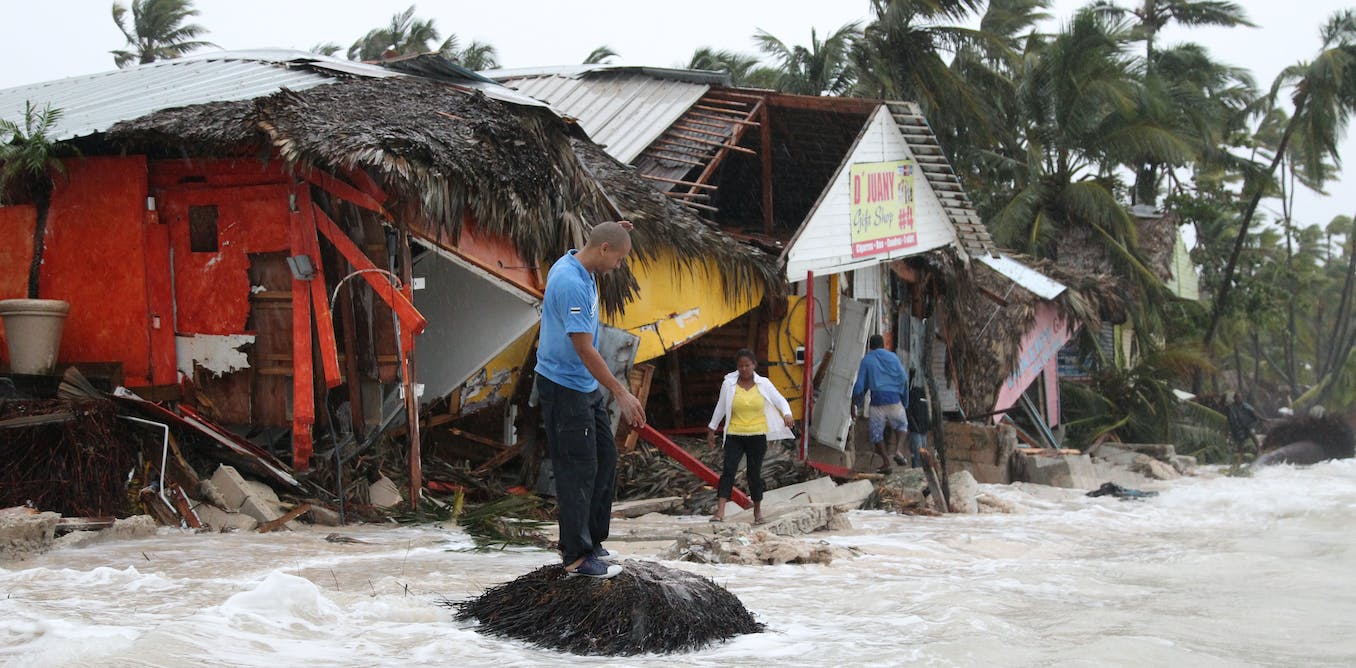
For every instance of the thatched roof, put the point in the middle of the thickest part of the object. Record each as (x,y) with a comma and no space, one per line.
(514,167)
(444,147)
(1156,237)
(986,337)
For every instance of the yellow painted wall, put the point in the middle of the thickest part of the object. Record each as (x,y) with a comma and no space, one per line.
(783,336)
(677,305)
(497,380)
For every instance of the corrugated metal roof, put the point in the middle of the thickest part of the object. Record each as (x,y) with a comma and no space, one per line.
(95,102)
(623,110)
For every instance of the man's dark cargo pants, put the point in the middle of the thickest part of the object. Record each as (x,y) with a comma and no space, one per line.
(584,460)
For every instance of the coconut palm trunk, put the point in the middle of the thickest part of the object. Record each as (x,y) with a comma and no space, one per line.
(42,203)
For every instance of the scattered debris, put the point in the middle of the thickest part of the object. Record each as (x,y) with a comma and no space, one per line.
(648,608)
(1307,439)
(736,545)
(1112,489)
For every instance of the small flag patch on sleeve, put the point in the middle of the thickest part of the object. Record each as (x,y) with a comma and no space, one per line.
(576,310)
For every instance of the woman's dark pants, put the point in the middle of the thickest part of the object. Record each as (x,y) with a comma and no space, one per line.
(584,460)
(755,448)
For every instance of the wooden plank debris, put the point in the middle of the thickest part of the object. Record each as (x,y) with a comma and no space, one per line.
(274,525)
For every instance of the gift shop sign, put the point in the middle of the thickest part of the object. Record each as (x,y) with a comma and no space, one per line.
(882,207)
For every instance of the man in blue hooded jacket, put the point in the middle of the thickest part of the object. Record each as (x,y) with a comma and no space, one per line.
(882,374)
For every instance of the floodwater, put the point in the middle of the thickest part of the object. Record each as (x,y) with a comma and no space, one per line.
(1215,571)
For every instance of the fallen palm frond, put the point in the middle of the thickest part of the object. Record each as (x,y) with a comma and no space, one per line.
(648,608)
(513,520)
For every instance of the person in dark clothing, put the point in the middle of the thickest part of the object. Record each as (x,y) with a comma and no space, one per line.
(1243,418)
(920,420)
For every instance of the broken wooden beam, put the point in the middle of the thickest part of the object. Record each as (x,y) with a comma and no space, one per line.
(274,525)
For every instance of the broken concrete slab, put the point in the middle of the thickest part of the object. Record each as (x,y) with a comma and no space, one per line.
(246,496)
(323,516)
(750,548)
(638,507)
(223,520)
(136,526)
(1156,469)
(1185,464)
(24,533)
(1055,468)
(384,493)
(964,493)
(820,490)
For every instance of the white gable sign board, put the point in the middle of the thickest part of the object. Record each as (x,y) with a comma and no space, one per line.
(897,213)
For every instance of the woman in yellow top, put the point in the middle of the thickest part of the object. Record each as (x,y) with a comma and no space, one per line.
(754,413)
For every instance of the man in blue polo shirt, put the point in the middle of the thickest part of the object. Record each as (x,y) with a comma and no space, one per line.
(574,408)
(882,373)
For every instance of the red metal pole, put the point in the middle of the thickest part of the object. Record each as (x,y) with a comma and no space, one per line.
(652,436)
(807,383)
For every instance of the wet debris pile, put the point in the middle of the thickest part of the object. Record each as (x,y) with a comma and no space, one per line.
(648,608)
(647,473)
(1330,433)
(735,545)
(70,456)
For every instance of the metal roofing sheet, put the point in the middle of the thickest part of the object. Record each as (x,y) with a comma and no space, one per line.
(93,103)
(1039,284)
(623,111)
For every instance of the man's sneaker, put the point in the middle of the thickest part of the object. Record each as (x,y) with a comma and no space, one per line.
(595,569)
(607,555)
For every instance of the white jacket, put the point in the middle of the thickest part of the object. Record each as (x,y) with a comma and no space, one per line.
(775,406)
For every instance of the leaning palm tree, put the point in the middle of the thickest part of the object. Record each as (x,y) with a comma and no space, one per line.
(823,68)
(158,31)
(600,55)
(1324,99)
(28,159)
(744,70)
(476,56)
(405,35)
(1151,16)
(1072,109)
(903,55)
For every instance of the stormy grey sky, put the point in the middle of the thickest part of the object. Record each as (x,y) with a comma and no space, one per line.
(53,39)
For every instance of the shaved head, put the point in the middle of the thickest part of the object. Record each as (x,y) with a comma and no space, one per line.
(610,233)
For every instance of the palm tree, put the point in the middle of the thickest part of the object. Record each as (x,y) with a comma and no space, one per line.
(158,31)
(1072,102)
(822,68)
(326,48)
(476,56)
(1153,15)
(600,55)
(744,70)
(901,55)
(406,35)
(28,158)
(1188,90)
(1324,98)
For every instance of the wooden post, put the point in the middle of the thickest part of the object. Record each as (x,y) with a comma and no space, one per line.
(303,391)
(407,376)
(807,382)
(676,388)
(765,157)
